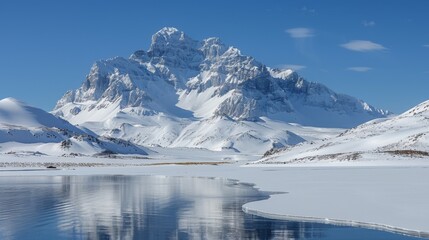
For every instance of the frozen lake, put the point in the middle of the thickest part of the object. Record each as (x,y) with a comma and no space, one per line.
(146,207)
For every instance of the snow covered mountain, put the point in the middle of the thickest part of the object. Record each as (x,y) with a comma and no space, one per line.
(28,130)
(188,93)
(405,135)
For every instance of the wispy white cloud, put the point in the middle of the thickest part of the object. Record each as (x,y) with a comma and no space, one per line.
(426,45)
(362,46)
(308,10)
(294,67)
(300,32)
(359,69)
(367,23)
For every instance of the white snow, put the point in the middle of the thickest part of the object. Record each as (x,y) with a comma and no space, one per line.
(201,102)
(29,130)
(204,104)
(172,94)
(280,73)
(389,197)
(379,190)
(16,113)
(406,134)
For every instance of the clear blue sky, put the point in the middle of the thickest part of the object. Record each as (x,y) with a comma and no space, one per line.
(374,50)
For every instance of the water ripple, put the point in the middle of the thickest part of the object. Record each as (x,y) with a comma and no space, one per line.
(143,207)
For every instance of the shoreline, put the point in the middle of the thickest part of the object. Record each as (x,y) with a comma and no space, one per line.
(250,210)
(387,198)
(348,223)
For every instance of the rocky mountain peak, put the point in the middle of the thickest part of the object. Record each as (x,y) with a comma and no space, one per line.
(179,75)
(213,48)
(169,38)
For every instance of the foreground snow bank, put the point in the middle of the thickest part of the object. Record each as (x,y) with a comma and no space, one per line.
(387,198)
(390,197)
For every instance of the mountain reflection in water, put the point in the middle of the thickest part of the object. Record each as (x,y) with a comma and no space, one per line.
(146,207)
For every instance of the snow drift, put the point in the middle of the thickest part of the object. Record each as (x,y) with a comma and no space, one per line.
(29,130)
(405,135)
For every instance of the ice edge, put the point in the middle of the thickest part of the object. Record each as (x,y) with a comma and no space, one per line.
(338,222)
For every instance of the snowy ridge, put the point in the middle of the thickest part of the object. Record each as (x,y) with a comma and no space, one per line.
(405,135)
(16,113)
(180,83)
(28,130)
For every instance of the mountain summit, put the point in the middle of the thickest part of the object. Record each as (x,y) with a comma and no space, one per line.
(180,84)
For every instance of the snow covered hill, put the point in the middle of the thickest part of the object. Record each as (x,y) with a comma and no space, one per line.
(406,135)
(188,93)
(28,130)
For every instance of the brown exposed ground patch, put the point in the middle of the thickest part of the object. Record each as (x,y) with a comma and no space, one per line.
(409,152)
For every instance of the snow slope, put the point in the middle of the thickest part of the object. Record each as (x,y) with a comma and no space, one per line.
(32,131)
(405,135)
(180,87)
(16,113)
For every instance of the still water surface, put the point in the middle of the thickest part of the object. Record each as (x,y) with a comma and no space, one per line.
(146,207)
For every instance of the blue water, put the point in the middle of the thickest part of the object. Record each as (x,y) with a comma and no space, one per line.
(147,207)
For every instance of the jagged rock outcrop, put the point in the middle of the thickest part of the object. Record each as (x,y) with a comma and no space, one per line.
(180,80)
